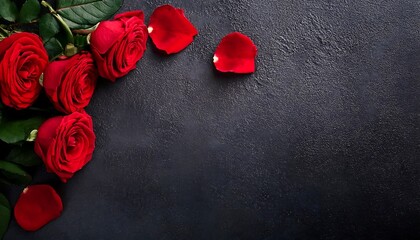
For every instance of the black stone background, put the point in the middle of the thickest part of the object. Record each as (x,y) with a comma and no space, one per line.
(322,142)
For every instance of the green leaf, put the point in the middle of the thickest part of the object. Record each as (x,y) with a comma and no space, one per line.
(5,184)
(24,156)
(81,14)
(8,10)
(4,201)
(18,131)
(5,213)
(80,41)
(29,11)
(48,27)
(14,173)
(54,48)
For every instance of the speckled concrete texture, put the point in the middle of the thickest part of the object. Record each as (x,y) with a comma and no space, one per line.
(322,142)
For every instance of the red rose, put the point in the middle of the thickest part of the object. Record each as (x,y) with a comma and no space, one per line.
(23,59)
(66,144)
(117,45)
(70,83)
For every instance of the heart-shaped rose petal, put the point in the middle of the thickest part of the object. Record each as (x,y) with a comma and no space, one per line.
(37,205)
(236,53)
(170,30)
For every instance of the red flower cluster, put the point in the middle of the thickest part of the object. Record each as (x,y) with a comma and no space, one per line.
(66,143)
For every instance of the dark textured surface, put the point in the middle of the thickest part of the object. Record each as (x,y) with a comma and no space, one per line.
(322,142)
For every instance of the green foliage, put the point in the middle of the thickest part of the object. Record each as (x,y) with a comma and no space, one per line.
(14,173)
(82,14)
(54,48)
(8,10)
(18,130)
(5,212)
(48,27)
(80,41)
(29,11)
(24,155)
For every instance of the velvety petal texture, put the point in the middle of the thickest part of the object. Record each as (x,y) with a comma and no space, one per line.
(70,83)
(117,45)
(37,205)
(236,53)
(170,30)
(66,143)
(23,59)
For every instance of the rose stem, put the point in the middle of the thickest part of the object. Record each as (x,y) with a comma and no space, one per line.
(69,34)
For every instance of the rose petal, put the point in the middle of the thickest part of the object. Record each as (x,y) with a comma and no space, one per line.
(46,133)
(170,30)
(23,37)
(235,53)
(103,42)
(128,15)
(37,206)
(54,71)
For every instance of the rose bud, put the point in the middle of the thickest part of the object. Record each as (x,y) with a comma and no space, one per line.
(117,45)
(66,143)
(23,59)
(70,83)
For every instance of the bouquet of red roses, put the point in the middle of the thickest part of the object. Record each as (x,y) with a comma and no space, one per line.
(55,53)
(51,56)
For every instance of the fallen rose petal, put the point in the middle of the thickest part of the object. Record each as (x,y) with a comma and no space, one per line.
(235,53)
(170,30)
(37,205)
